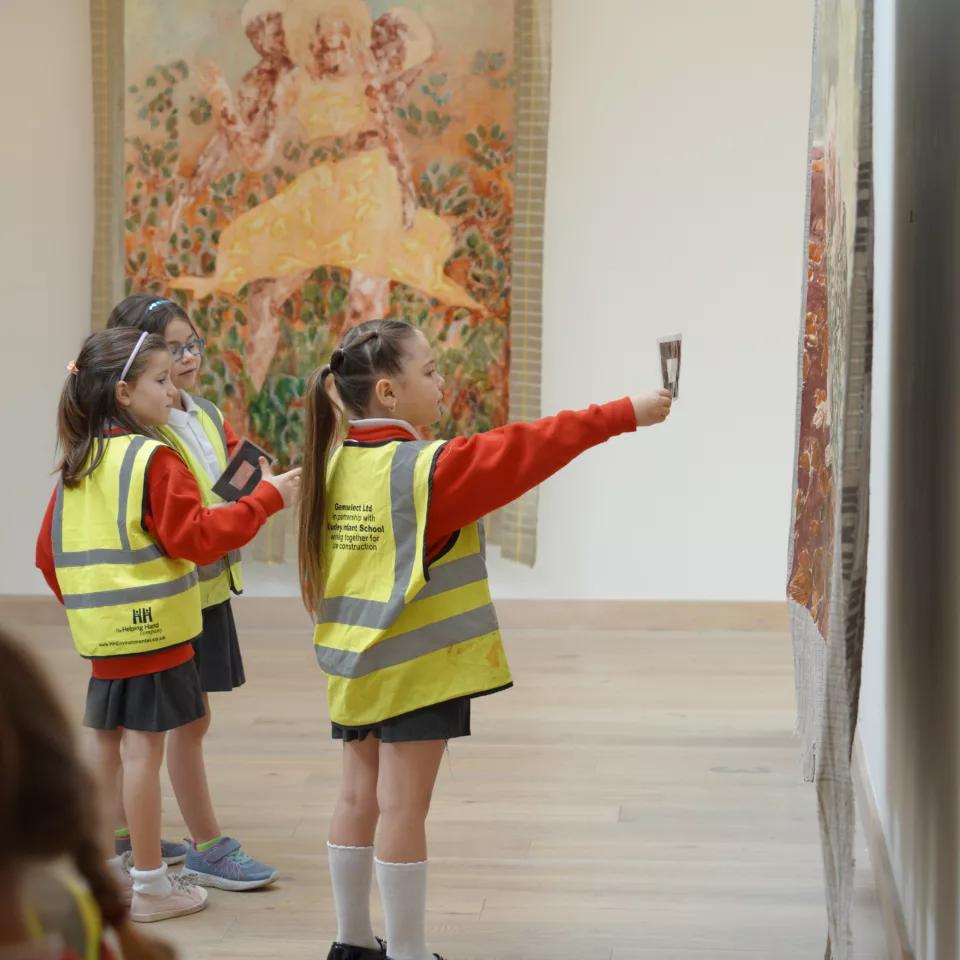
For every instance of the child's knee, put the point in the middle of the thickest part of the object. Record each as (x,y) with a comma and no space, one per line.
(408,804)
(138,747)
(359,801)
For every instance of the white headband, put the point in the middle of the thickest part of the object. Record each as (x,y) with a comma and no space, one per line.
(133,356)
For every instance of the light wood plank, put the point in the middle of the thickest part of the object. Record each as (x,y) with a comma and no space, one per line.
(636,796)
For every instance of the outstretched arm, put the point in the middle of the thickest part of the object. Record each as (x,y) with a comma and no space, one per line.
(476,475)
(176,517)
(479,474)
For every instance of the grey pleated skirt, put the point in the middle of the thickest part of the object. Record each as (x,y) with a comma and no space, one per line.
(444,721)
(153,703)
(217,651)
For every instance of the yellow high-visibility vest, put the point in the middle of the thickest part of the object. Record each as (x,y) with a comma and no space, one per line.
(393,634)
(58,905)
(122,593)
(217,580)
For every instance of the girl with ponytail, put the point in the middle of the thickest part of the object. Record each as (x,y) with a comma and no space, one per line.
(123,545)
(392,567)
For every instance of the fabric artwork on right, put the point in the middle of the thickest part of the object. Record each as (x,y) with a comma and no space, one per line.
(828,544)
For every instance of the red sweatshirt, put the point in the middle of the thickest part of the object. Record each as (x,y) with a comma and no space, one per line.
(175,517)
(233,440)
(476,475)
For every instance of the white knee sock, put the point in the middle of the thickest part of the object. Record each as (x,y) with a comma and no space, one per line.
(154,883)
(351,873)
(403,888)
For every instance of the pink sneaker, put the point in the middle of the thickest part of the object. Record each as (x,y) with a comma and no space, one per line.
(184,899)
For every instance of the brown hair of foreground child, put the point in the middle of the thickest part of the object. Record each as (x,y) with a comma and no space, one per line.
(47,805)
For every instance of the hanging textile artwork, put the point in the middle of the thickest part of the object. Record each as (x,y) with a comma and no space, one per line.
(291,168)
(828,546)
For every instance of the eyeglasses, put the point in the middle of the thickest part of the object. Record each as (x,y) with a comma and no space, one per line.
(194,348)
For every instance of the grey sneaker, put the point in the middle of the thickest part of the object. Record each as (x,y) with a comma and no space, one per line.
(226,867)
(172,853)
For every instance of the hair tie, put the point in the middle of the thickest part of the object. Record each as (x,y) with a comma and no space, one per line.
(72,368)
(336,359)
(133,355)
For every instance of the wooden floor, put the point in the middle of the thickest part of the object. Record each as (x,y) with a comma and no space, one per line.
(637,795)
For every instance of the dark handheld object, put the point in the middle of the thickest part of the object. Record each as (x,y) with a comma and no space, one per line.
(670,363)
(243,472)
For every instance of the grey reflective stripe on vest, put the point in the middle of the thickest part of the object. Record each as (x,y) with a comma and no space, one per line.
(124,555)
(126,473)
(213,570)
(90,558)
(381,615)
(210,409)
(409,646)
(56,530)
(149,591)
(456,573)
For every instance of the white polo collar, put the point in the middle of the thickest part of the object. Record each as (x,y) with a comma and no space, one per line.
(180,418)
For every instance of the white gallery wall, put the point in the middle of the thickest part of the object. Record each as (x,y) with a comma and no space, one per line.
(46,251)
(675,203)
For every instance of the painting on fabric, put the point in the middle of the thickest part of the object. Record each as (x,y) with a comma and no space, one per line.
(832,206)
(828,548)
(295,167)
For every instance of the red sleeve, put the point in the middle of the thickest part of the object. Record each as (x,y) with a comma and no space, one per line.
(175,515)
(44,556)
(233,441)
(476,475)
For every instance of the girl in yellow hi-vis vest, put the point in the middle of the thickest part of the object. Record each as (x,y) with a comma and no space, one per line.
(58,894)
(392,567)
(121,543)
(202,436)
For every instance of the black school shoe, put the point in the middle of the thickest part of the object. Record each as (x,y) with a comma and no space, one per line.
(343,951)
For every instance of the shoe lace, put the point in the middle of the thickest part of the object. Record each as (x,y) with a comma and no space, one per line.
(181,884)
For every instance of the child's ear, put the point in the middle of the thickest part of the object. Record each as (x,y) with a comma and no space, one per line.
(385,393)
(123,394)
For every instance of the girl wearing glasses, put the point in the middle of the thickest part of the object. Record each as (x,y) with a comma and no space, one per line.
(199,432)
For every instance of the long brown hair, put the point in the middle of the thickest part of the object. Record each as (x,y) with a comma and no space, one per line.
(88,404)
(367,352)
(47,806)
